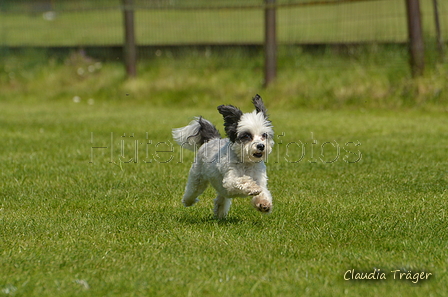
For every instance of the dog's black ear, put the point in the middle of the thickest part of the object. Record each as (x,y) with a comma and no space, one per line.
(231,116)
(259,105)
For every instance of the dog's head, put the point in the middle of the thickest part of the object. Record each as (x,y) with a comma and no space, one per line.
(251,133)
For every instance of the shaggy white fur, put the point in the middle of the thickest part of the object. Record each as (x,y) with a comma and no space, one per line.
(234,166)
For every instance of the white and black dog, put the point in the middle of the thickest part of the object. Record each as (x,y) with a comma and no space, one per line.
(234,166)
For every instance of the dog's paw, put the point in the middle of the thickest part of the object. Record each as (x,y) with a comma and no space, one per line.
(254,191)
(247,186)
(263,206)
(189,202)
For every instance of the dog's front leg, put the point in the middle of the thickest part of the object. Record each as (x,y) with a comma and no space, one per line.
(241,185)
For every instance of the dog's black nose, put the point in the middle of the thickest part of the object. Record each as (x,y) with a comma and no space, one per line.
(260,147)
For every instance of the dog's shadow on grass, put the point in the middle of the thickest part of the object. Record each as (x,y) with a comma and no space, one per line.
(208,219)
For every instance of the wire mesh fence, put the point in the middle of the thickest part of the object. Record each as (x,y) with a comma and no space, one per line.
(223,23)
(190,22)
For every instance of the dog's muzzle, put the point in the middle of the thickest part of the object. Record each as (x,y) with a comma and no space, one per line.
(260,149)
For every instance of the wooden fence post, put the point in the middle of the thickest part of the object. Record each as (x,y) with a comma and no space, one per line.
(130,50)
(438,31)
(416,46)
(270,42)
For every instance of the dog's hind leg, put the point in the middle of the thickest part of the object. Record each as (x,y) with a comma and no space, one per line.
(196,186)
(222,206)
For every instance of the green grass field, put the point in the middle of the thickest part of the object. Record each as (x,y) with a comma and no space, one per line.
(371,193)
(72,227)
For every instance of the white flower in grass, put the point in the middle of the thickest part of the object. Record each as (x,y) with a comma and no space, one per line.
(9,289)
(83,283)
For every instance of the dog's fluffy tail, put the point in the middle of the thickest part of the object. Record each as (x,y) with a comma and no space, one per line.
(195,134)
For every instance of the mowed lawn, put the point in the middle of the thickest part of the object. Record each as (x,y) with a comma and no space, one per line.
(90,205)
(351,22)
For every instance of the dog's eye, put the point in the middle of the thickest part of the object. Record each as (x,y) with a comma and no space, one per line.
(245,137)
(265,135)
